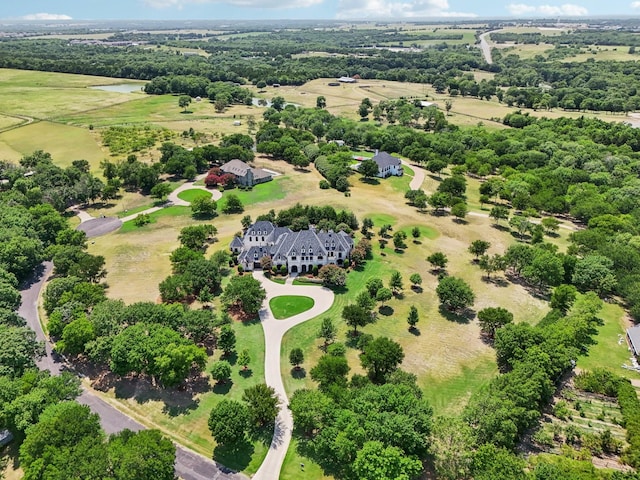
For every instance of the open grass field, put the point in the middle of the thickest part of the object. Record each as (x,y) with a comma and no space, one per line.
(64,143)
(183,415)
(286,306)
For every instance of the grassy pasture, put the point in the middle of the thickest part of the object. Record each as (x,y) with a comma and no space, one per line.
(286,306)
(64,143)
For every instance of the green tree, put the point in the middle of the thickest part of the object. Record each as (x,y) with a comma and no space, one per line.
(203,207)
(594,272)
(563,297)
(321,102)
(329,371)
(75,336)
(327,332)
(413,318)
(233,204)
(438,261)
(459,210)
(493,318)
(19,350)
(226,340)
(373,285)
(309,408)
(244,292)
(356,316)
(416,280)
(368,168)
(395,282)
(183,102)
(479,248)
(365,301)
(451,444)
(296,357)
(399,238)
(384,295)
(332,276)
(228,422)
(161,190)
(498,213)
(196,237)
(376,461)
(144,454)
(454,293)
(262,402)
(221,371)
(550,225)
(244,359)
(381,357)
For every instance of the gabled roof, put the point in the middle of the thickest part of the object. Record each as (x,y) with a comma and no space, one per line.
(262,226)
(383,159)
(235,166)
(236,242)
(634,338)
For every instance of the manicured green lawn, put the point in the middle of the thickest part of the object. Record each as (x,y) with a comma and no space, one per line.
(193,193)
(287,306)
(175,211)
(611,349)
(263,192)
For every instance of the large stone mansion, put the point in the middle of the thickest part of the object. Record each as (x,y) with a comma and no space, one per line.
(298,251)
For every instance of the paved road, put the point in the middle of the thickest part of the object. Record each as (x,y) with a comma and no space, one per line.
(418,175)
(274,330)
(189,465)
(485,47)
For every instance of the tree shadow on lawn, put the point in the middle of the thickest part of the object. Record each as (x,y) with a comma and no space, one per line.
(246,373)
(231,357)
(385,310)
(463,317)
(460,221)
(370,180)
(497,281)
(236,456)
(222,388)
(501,228)
(177,400)
(417,288)
(298,373)
(414,331)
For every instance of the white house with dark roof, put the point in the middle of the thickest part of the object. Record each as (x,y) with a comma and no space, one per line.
(387,165)
(245,174)
(298,251)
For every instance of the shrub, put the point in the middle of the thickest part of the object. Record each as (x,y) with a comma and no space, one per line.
(324,185)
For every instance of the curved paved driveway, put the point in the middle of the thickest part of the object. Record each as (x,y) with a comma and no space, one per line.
(274,330)
(418,175)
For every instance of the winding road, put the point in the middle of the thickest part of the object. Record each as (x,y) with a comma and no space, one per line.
(189,464)
(274,330)
(486,47)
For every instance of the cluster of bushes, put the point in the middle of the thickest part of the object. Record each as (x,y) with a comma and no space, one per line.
(299,217)
(196,86)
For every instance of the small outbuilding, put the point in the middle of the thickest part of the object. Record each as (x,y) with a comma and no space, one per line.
(347,80)
(633,339)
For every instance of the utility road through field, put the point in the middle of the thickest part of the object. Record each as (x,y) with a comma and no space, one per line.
(274,330)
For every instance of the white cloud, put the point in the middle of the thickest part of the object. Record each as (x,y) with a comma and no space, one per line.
(566,9)
(46,16)
(356,9)
(635,5)
(180,4)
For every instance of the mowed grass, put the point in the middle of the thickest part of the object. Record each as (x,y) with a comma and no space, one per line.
(44,95)
(286,306)
(611,350)
(192,194)
(183,415)
(276,189)
(64,143)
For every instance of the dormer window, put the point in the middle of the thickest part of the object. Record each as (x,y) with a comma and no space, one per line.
(310,250)
(302,250)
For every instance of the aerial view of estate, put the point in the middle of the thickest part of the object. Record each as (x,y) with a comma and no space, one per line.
(319,240)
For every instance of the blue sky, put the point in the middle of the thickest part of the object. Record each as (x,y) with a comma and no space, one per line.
(308,9)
